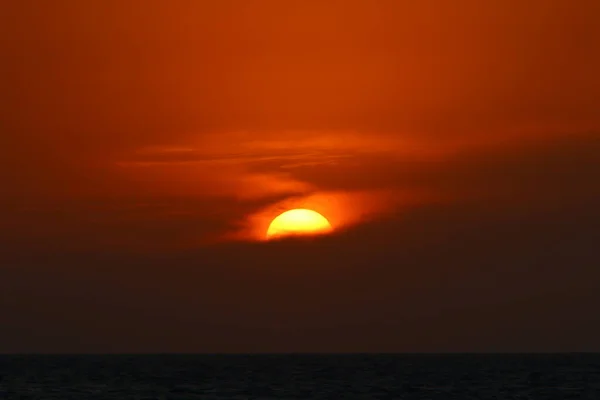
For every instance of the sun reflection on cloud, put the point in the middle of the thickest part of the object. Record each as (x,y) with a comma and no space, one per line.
(346,176)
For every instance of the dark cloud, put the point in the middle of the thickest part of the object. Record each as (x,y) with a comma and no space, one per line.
(554,169)
(444,278)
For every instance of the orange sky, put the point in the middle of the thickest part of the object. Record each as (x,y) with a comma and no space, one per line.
(150,127)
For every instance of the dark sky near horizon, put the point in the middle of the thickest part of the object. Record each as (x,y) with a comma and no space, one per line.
(146,145)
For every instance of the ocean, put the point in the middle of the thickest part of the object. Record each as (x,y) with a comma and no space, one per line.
(299,376)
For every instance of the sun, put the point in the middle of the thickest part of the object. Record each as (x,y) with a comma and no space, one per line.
(298,222)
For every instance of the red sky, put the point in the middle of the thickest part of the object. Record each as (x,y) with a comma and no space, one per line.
(145,146)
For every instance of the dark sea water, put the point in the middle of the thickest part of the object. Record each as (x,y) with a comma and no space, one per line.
(568,376)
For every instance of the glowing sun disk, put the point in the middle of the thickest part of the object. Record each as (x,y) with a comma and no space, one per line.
(299,221)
